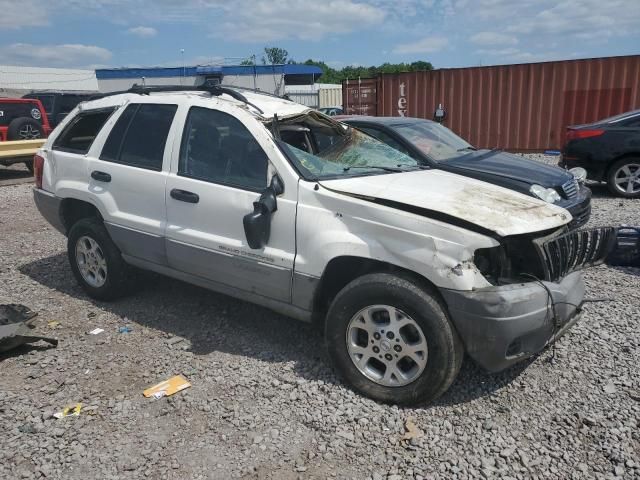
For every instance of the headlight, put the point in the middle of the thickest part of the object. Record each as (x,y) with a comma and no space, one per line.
(546,194)
(579,173)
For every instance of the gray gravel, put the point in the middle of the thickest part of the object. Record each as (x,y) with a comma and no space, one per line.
(264,402)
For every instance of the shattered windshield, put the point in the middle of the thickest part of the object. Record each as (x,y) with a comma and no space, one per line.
(349,154)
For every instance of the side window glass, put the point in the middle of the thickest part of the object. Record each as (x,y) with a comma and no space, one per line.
(80,133)
(140,135)
(217,147)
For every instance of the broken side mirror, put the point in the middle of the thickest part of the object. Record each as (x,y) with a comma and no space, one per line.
(257,224)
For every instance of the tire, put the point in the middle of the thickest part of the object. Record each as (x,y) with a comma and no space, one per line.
(621,174)
(112,278)
(372,293)
(29,165)
(24,128)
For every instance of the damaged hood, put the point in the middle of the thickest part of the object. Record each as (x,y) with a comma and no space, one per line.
(490,207)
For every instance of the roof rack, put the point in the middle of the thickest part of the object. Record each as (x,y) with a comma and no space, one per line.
(214,90)
(253,90)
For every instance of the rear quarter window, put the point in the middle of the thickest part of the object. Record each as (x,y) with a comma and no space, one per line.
(82,130)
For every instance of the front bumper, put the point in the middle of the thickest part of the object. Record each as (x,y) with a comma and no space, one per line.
(49,206)
(502,325)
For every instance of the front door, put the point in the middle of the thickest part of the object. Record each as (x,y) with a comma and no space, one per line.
(220,172)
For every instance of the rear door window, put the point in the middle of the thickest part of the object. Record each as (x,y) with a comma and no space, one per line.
(140,135)
(79,134)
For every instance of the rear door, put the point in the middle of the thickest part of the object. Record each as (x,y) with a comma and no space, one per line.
(217,174)
(127,176)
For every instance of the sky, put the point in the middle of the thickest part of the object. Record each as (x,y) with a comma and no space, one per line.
(447,33)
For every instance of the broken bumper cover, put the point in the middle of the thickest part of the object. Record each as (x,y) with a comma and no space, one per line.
(49,206)
(502,325)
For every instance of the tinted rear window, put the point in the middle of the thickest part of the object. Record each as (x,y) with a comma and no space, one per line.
(11,111)
(79,134)
(140,135)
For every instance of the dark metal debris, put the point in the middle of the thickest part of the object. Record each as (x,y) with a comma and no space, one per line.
(16,324)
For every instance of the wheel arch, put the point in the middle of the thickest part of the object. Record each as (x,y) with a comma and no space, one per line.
(342,270)
(72,210)
(622,156)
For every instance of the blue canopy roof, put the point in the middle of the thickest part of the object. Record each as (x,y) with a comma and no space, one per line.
(156,72)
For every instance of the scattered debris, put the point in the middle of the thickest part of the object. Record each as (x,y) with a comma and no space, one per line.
(73,410)
(174,340)
(16,324)
(412,432)
(125,329)
(53,324)
(26,428)
(96,331)
(627,249)
(610,387)
(167,388)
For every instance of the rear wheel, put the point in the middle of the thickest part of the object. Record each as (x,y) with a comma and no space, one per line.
(624,178)
(391,339)
(96,261)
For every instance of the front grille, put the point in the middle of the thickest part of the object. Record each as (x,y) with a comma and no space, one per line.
(571,188)
(573,251)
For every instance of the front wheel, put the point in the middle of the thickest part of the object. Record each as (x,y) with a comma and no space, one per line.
(391,339)
(624,178)
(96,261)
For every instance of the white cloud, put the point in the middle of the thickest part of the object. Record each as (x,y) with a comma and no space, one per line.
(28,13)
(67,55)
(425,45)
(498,52)
(266,21)
(581,18)
(493,38)
(143,32)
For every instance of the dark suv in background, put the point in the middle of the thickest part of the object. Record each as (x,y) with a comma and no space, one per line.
(59,104)
(609,150)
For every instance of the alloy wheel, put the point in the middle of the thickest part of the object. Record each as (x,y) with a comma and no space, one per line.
(627,178)
(386,345)
(91,261)
(29,133)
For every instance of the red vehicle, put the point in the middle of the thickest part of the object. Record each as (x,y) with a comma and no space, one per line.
(23,119)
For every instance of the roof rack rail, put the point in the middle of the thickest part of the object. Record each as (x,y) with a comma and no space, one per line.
(249,89)
(214,90)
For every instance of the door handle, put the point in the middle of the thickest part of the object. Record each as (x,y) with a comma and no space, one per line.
(184,196)
(101,176)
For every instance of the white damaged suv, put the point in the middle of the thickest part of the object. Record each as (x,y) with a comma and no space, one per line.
(271,202)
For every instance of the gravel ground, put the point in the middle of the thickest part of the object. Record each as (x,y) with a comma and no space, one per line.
(264,402)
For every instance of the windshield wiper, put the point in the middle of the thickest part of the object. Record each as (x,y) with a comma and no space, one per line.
(421,167)
(467,148)
(379,167)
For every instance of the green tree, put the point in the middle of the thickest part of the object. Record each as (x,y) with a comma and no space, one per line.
(275,56)
(331,75)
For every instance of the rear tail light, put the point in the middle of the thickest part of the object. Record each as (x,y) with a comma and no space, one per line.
(578,134)
(38,167)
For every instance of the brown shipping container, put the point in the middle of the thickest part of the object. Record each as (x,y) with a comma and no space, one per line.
(513,107)
(359,96)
